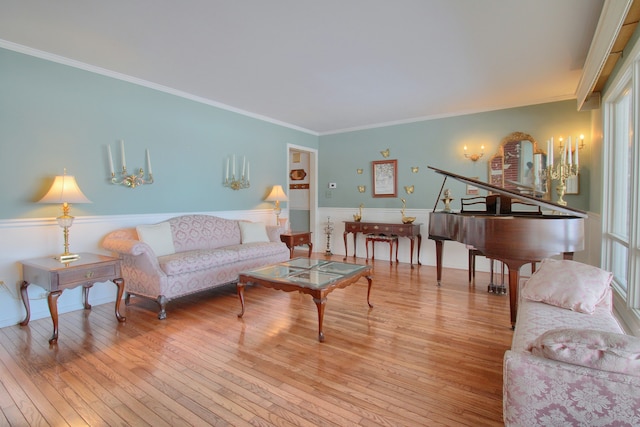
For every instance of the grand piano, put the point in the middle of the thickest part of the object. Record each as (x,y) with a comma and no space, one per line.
(511,237)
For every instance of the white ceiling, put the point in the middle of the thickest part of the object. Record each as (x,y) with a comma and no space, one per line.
(328,65)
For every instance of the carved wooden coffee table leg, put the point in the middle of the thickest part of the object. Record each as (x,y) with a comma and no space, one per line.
(320,303)
(370,280)
(240,288)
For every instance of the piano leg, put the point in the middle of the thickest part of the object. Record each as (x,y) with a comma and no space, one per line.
(439,247)
(514,278)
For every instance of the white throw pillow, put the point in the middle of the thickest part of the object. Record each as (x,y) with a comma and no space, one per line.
(602,350)
(158,236)
(251,232)
(568,284)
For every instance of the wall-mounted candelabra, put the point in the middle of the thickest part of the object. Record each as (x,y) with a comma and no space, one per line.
(130,180)
(243,179)
(475,156)
(568,167)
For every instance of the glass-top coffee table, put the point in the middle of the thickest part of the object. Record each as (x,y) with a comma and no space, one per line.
(310,276)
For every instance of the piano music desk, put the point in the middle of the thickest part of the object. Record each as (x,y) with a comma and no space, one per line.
(410,231)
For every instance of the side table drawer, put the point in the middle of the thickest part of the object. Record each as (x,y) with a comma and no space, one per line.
(94,274)
(301,240)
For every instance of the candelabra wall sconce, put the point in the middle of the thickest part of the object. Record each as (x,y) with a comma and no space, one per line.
(126,179)
(475,156)
(568,167)
(362,188)
(415,169)
(408,189)
(579,143)
(243,179)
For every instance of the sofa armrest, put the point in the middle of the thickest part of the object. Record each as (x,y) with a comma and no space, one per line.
(125,247)
(534,388)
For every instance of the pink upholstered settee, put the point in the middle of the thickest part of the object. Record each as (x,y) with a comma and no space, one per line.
(191,253)
(541,390)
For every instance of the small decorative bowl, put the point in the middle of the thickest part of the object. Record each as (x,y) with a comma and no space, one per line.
(408,219)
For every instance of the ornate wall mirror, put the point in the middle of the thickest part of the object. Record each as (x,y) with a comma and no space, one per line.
(518,166)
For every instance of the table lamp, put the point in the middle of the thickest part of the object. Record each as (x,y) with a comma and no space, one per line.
(65,190)
(277,195)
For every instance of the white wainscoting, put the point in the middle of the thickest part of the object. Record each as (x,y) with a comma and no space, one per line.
(33,238)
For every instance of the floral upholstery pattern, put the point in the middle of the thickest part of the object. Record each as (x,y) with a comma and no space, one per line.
(208,254)
(538,391)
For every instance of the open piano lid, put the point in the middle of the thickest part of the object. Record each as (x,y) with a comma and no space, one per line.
(494,189)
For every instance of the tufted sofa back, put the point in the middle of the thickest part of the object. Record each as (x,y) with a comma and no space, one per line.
(192,232)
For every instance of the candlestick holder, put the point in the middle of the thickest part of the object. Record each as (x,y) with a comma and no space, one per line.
(561,172)
(237,184)
(243,180)
(130,180)
(328,230)
(133,180)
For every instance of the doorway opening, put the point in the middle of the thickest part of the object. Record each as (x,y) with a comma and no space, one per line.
(302,188)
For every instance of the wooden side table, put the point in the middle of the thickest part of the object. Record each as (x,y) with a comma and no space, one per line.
(296,238)
(55,277)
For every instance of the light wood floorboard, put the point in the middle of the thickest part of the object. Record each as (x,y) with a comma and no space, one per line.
(424,355)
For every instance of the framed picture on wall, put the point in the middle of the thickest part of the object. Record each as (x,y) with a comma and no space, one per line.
(472,190)
(385,178)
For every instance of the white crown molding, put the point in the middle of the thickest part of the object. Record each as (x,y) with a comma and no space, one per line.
(447,115)
(140,82)
(611,19)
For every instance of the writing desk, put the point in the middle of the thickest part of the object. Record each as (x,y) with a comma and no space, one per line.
(410,231)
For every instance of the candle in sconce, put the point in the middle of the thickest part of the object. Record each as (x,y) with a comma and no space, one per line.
(124,162)
(569,152)
(577,151)
(149,162)
(244,159)
(233,170)
(110,160)
(550,154)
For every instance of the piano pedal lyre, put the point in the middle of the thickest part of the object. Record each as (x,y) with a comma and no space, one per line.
(493,288)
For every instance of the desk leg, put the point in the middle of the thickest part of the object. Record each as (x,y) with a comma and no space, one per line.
(310,248)
(370,280)
(320,303)
(355,235)
(419,246)
(120,284)
(52,300)
(240,289)
(411,252)
(25,301)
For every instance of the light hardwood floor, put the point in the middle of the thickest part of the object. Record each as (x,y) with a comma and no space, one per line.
(422,356)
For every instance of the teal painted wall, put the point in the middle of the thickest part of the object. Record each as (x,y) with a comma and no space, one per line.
(54,116)
(440,143)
